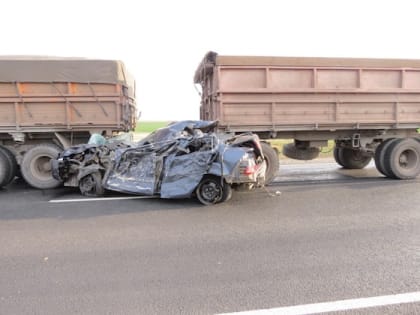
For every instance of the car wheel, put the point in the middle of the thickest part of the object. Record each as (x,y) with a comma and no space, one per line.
(272,160)
(212,190)
(91,185)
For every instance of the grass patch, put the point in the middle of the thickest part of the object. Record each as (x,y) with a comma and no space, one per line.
(149,126)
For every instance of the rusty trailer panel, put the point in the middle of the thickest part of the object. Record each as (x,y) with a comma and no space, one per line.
(302,94)
(44,94)
(28,106)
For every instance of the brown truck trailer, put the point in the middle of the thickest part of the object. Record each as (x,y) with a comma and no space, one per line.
(369,107)
(48,104)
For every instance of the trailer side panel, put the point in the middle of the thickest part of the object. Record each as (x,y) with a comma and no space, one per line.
(301,94)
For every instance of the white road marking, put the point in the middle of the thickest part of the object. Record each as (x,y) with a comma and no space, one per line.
(343,305)
(101,199)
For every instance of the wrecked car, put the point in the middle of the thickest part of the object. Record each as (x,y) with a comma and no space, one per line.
(182,160)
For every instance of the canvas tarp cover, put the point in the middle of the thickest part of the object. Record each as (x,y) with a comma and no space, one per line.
(212,59)
(45,69)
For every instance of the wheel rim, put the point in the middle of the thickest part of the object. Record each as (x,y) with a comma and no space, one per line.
(87,185)
(210,191)
(402,159)
(358,156)
(41,167)
(408,159)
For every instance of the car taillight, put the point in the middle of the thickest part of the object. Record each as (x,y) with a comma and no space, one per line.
(249,170)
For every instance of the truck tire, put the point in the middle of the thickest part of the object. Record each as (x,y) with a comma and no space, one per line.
(380,157)
(353,159)
(8,166)
(12,162)
(36,166)
(402,159)
(272,160)
(305,154)
(337,156)
(212,190)
(5,170)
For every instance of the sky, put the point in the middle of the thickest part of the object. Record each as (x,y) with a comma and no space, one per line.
(162,41)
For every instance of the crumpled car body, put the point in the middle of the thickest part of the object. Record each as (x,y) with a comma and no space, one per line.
(182,160)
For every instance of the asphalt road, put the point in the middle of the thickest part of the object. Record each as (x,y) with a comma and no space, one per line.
(326,235)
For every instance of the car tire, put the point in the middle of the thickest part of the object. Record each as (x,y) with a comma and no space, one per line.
(212,190)
(91,185)
(271,158)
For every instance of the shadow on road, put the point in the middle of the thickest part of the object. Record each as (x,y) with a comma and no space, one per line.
(21,202)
